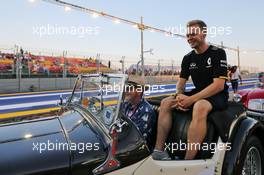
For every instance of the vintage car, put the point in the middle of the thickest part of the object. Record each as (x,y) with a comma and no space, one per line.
(90,134)
(253,100)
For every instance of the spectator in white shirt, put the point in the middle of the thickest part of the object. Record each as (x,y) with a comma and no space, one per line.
(234,76)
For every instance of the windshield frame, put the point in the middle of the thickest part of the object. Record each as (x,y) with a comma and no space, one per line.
(82,78)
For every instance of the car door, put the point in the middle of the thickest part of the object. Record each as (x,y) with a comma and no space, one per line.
(88,146)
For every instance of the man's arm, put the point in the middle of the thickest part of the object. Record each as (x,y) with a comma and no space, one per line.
(180,86)
(217,86)
(184,76)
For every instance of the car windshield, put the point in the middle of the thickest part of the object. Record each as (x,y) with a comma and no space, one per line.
(101,95)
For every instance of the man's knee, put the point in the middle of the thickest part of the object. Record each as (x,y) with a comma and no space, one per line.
(166,103)
(202,108)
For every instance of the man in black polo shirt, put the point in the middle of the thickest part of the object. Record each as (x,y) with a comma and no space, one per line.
(207,67)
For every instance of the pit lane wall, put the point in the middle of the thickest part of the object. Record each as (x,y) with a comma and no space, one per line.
(35,84)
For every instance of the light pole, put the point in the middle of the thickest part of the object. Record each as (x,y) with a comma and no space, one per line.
(142,47)
(159,65)
(18,67)
(150,51)
(172,67)
(17,61)
(98,62)
(64,53)
(138,66)
(122,61)
(238,58)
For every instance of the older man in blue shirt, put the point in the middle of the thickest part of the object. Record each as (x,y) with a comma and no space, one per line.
(139,110)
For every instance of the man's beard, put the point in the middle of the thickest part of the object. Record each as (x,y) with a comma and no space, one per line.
(128,99)
(195,45)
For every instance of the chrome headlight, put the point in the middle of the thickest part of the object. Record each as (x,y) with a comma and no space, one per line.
(256,105)
(237,97)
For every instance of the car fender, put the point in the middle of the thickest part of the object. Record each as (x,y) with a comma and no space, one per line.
(243,129)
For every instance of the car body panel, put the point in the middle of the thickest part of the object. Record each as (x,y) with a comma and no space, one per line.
(59,136)
(244,129)
(91,147)
(129,170)
(191,167)
(20,155)
(246,95)
(256,93)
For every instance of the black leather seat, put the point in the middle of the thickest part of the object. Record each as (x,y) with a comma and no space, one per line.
(218,125)
(179,132)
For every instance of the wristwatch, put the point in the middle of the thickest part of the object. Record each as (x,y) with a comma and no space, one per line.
(178,91)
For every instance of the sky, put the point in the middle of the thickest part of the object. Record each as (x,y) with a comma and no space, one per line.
(33,26)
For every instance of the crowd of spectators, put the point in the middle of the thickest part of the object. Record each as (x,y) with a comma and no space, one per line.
(153,71)
(36,64)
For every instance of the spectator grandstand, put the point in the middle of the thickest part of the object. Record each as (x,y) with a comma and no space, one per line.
(49,65)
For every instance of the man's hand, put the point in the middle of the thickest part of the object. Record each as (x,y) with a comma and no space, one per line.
(178,99)
(186,102)
(181,97)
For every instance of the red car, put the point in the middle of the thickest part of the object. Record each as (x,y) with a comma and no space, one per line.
(253,99)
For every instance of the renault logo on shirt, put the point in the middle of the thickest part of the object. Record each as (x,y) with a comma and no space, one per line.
(209,62)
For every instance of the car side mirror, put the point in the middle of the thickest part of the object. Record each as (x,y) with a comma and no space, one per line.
(237,98)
